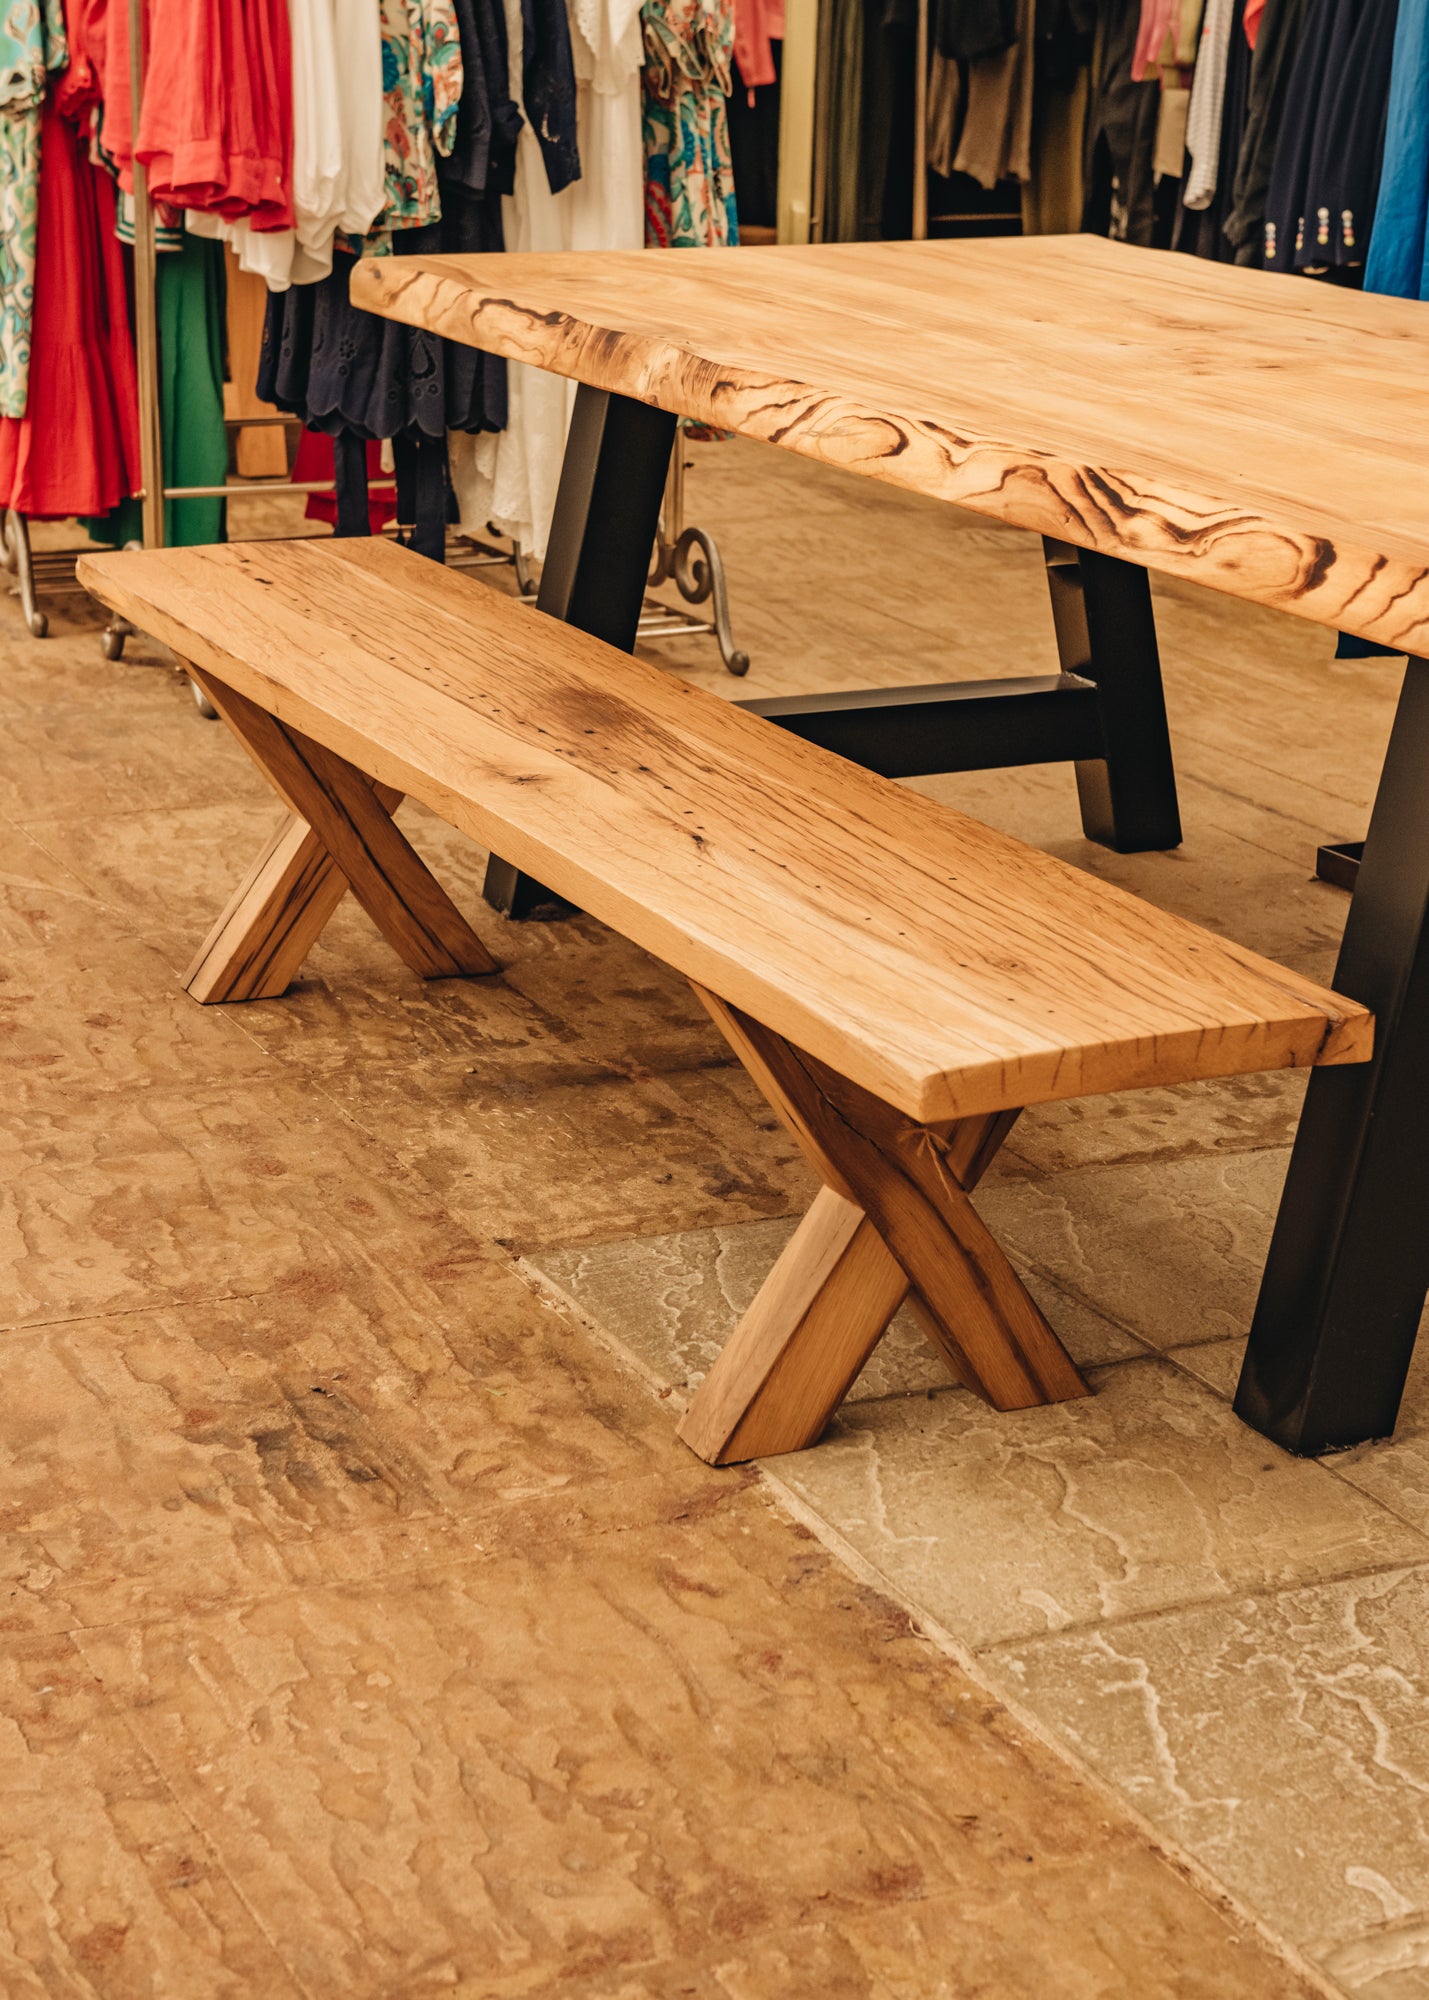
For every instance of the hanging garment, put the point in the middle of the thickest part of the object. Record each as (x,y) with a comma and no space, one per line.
(1121,133)
(1167,37)
(996,143)
(689,183)
(216,129)
(190,304)
(324,360)
(945,99)
(758,25)
(840,112)
(548,92)
(1320,204)
(755,117)
(510,479)
(606,205)
(315,461)
(1398,260)
(338,145)
(32,44)
(1201,231)
(479,169)
(963,30)
(76,449)
(1282,28)
(359,377)
(886,112)
(1208,95)
(422,75)
(1053,199)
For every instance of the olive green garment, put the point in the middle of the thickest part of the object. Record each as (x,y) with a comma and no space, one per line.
(191,301)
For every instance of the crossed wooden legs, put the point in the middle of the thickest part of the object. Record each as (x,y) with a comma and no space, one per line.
(339,835)
(893,1215)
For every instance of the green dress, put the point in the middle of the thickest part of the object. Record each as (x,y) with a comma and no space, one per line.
(191,299)
(32,45)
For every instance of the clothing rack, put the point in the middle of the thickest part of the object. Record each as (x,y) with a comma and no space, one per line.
(687,556)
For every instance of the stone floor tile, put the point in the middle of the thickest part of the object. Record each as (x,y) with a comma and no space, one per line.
(141,747)
(40,897)
(1390,1963)
(1284,1738)
(675,1749)
(581,1161)
(1217,1363)
(161,1461)
(108,1889)
(1231,1114)
(1146,1494)
(110,1017)
(673,1301)
(174,869)
(127,1199)
(1396,1470)
(356,1004)
(1172,1250)
(952,1949)
(606,994)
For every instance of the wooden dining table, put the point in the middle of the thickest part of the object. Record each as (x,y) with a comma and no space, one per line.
(1140,411)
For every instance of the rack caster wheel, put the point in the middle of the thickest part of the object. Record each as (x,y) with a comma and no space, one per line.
(39,625)
(202,703)
(111,644)
(737,663)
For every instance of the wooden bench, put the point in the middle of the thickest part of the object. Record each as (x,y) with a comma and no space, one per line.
(897,979)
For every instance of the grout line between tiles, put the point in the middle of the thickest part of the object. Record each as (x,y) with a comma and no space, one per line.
(1246,1594)
(17,1328)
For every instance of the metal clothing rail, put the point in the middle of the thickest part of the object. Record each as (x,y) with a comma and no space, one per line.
(686,556)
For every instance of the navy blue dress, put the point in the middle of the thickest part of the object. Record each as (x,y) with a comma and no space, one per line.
(356,376)
(1320,207)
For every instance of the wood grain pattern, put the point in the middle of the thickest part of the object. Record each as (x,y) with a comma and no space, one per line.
(818,1316)
(393,884)
(1240,428)
(897,1172)
(943,966)
(799,1349)
(273,919)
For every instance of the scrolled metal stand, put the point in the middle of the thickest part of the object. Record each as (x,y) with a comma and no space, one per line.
(689,558)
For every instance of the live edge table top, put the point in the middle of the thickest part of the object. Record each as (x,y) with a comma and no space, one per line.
(1258,433)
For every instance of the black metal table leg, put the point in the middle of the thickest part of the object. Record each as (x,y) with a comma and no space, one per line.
(607,513)
(1106,633)
(1345,1282)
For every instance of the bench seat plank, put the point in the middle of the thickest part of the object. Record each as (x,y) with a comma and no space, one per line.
(939,965)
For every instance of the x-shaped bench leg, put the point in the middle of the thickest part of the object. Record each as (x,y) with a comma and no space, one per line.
(893,1217)
(339,835)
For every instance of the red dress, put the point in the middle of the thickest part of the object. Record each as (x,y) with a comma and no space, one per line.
(216,130)
(76,449)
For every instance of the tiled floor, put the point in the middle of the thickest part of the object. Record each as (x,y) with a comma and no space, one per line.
(364,1632)
(1235,1639)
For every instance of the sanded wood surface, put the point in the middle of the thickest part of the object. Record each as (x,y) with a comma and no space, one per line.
(390,880)
(799,1349)
(273,919)
(818,1316)
(977,1309)
(1241,428)
(943,966)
